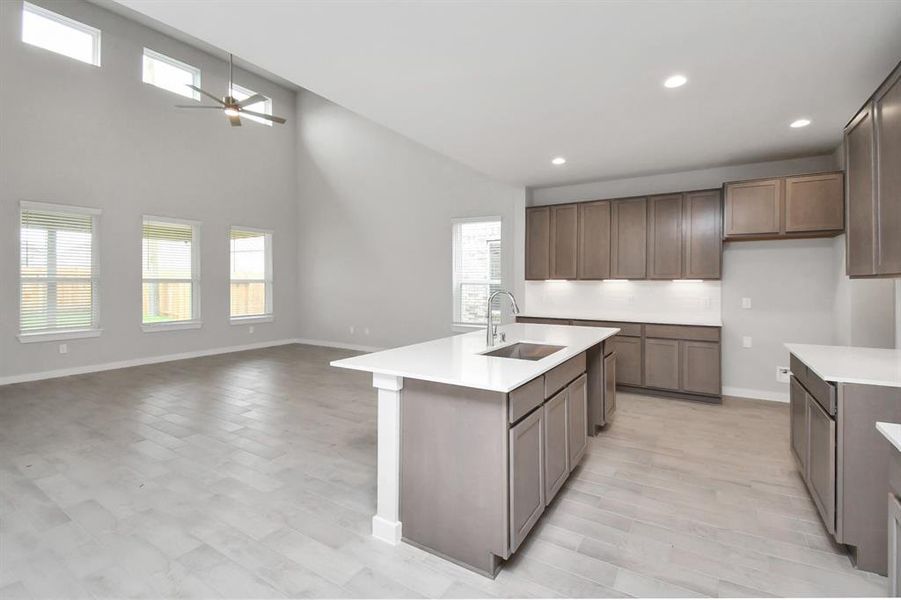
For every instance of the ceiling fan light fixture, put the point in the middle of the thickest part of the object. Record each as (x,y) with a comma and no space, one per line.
(231,112)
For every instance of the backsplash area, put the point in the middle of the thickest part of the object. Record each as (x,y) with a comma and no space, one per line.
(688,302)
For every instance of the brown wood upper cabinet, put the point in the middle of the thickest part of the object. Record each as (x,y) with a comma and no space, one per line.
(872,157)
(784,207)
(703,242)
(594,240)
(628,238)
(538,236)
(665,237)
(564,239)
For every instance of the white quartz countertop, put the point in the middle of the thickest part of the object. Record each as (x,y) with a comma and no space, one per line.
(657,318)
(891,432)
(457,360)
(849,364)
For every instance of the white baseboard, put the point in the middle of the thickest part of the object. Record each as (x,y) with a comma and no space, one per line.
(341,345)
(136,362)
(755,394)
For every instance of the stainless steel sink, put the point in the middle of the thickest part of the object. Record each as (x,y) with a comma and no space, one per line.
(524,351)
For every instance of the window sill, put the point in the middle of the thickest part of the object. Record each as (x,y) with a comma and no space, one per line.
(466,327)
(176,326)
(251,320)
(58,336)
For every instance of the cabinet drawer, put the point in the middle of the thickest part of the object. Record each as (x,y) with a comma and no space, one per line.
(822,391)
(633,329)
(683,332)
(542,321)
(525,398)
(557,378)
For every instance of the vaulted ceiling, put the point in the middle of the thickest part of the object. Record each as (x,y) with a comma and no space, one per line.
(506,86)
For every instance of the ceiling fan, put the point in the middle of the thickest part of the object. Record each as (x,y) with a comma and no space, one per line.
(231,106)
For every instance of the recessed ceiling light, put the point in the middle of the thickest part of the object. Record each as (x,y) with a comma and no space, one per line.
(800,123)
(558,161)
(675,81)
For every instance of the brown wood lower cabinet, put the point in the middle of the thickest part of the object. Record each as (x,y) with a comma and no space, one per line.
(679,360)
(527,487)
(556,446)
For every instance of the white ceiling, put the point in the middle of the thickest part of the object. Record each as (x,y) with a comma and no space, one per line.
(506,86)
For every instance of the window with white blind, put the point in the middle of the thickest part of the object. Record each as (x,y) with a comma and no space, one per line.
(240,93)
(171,274)
(58,271)
(477,267)
(251,273)
(52,31)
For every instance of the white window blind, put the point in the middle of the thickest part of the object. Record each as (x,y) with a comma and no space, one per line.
(57,266)
(264,106)
(170,74)
(57,33)
(251,272)
(171,277)
(477,267)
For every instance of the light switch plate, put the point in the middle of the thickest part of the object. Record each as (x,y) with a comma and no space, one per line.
(746,341)
(746,303)
(64,348)
(250,329)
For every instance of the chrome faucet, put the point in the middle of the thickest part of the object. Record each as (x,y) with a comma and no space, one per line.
(491,331)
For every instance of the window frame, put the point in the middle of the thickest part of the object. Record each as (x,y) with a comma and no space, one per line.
(249,92)
(195,322)
(174,62)
(268,280)
(456,304)
(95,33)
(51,335)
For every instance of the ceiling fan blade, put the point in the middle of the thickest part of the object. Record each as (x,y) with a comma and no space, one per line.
(272,118)
(251,100)
(235,120)
(196,106)
(205,93)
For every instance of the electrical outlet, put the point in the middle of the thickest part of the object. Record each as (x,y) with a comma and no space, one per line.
(746,341)
(351,329)
(746,303)
(365,331)
(782,374)
(64,348)
(250,329)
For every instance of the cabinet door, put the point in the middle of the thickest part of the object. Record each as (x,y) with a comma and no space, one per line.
(628,238)
(814,203)
(564,241)
(577,419)
(609,386)
(594,240)
(661,363)
(887,116)
(526,476)
(701,367)
(538,236)
(894,546)
(798,418)
(702,227)
(665,237)
(629,367)
(860,161)
(821,461)
(753,208)
(556,448)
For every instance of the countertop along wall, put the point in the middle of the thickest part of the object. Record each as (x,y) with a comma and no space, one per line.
(73,133)
(375,242)
(792,283)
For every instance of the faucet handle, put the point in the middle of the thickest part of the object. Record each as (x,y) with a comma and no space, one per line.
(503,336)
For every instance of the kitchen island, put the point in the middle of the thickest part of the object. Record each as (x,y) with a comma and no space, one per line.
(473,441)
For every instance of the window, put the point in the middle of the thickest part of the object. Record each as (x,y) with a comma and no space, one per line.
(54,32)
(265,106)
(251,273)
(477,267)
(58,270)
(170,74)
(171,274)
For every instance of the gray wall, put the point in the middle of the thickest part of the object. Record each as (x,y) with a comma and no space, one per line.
(792,284)
(375,229)
(76,134)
